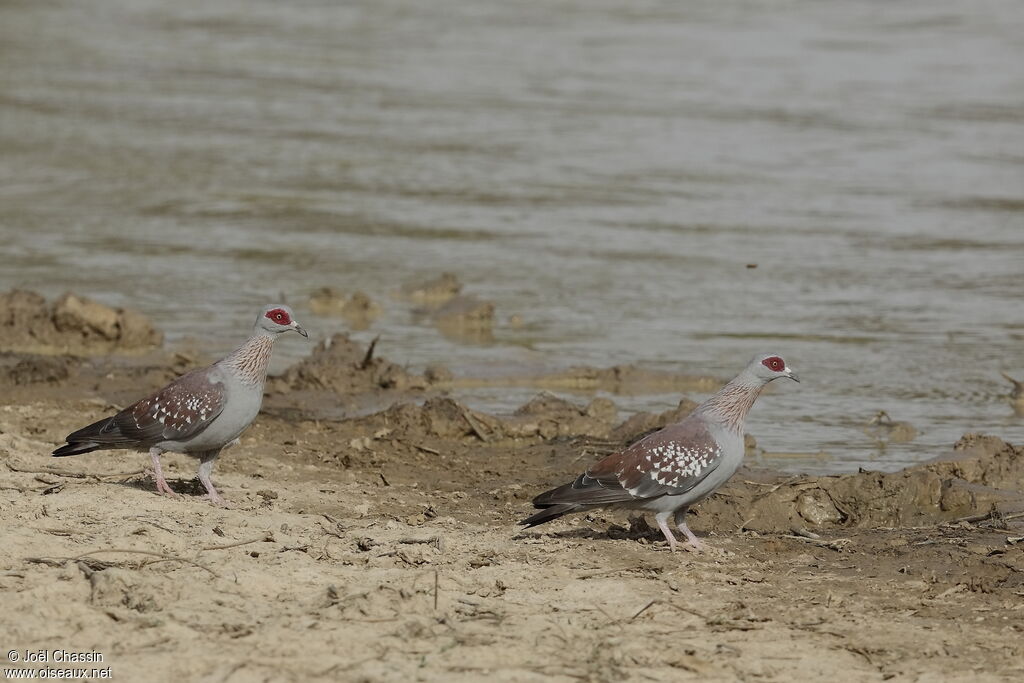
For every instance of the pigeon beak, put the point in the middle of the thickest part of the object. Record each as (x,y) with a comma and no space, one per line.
(792,375)
(298,328)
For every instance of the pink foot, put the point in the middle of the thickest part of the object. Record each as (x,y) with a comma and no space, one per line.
(662,519)
(164,489)
(695,543)
(158,474)
(216,499)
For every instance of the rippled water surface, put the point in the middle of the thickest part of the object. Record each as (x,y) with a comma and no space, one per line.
(607,170)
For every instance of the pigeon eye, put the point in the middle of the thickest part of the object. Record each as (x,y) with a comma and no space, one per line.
(278,316)
(775,364)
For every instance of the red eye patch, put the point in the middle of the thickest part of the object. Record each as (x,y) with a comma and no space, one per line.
(774,363)
(279,316)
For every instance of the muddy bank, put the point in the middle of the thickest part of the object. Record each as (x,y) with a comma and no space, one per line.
(983,477)
(404,562)
(386,546)
(71,325)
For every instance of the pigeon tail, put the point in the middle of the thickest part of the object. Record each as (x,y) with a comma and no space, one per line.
(548,514)
(76,448)
(102,434)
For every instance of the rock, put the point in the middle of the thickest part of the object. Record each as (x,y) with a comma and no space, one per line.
(136,331)
(74,324)
(817,508)
(85,317)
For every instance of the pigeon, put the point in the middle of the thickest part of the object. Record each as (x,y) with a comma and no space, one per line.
(199,413)
(668,471)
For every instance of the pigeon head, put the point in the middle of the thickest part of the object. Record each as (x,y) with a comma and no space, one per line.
(770,366)
(278,318)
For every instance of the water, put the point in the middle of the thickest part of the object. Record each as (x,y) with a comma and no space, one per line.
(607,170)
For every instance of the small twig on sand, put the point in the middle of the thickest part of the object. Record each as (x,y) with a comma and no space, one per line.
(48,561)
(436,541)
(799,531)
(776,487)
(669,604)
(162,556)
(602,572)
(420,447)
(384,479)
(643,609)
(474,426)
(688,610)
(74,475)
(265,538)
(837,544)
(368,358)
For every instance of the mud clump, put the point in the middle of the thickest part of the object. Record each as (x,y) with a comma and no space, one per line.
(358,310)
(71,325)
(342,365)
(550,417)
(641,424)
(984,474)
(441,418)
(544,417)
(431,294)
(884,429)
(466,318)
(36,369)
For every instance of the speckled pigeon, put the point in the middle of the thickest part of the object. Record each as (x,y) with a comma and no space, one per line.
(675,467)
(200,412)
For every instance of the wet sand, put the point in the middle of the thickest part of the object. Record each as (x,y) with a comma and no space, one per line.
(382,545)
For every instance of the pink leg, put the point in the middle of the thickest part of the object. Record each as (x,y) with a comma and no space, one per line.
(205,470)
(158,474)
(690,536)
(662,519)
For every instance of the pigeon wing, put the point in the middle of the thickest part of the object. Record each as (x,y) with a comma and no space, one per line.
(179,411)
(668,462)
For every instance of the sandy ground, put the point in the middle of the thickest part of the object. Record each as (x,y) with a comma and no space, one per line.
(384,548)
